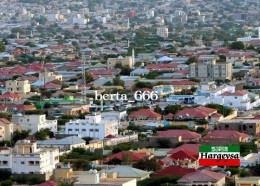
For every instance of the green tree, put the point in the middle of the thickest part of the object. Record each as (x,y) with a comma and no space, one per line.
(118,82)
(89,77)
(114,161)
(164,143)
(173,109)
(147,164)
(237,45)
(44,134)
(17,135)
(2,47)
(158,109)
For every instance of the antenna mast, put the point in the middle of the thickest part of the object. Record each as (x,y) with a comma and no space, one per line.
(84,78)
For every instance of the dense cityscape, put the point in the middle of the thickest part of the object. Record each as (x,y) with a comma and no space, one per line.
(130,93)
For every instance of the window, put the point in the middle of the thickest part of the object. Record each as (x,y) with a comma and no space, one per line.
(28,119)
(22,162)
(235,97)
(77,130)
(91,130)
(226,126)
(251,126)
(5,162)
(83,130)
(69,129)
(96,130)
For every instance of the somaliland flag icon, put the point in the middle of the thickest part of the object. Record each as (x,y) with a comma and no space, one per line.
(219,155)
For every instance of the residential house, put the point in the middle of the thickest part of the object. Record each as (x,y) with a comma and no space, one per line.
(194,148)
(183,85)
(124,171)
(144,114)
(35,122)
(139,72)
(224,137)
(28,159)
(128,156)
(232,58)
(65,145)
(248,181)
(19,87)
(250,160)
(92,126)
(10,97)
(226,95)
(6,129)
(248,126)
(176,136)
(174,171)
(125,62)
(162,67)
(196,113)
(202,177)
(184,158)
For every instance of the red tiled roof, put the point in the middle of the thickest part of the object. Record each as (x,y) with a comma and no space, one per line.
(185,134)
(100,72)
(110,136)
(161,162)
(225,134)
(175,170)
(236,93)
(51,85)
(9,95)
(184,83)
(48,183)
(194,148)
(5,121)
(163,66)
(169,116)
(145,112)
(183,154)
(135,156)
(201,176)
(198,112)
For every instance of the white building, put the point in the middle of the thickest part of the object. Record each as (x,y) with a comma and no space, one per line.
(227,96)
(6,129)
(250,159)
(79,20)
(162,31)
(93,126)
(20,87)
(64,145)
(6,158)
(35,122)
(27,158)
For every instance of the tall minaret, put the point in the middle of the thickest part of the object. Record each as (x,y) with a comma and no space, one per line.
(128,43)
(133,57)
(17,35)
(128,24)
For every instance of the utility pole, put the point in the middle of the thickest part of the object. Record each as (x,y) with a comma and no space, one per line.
(84,78)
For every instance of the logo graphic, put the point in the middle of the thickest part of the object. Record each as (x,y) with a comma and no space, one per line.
(219,155)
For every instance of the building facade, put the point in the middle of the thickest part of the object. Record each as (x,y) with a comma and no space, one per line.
(92,126)
(211,71)
(35,122)
(20,87)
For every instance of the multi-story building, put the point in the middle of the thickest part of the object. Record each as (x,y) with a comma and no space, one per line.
(20,87)
(162,31)
(35,122)
(6,129)
(93,126)
(249,126)
(6,158)
(211,71)
(27,158)
(125,62)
